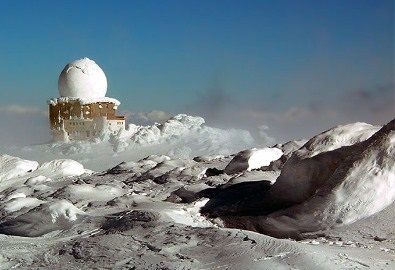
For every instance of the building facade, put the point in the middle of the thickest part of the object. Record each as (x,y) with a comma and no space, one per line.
(77,119)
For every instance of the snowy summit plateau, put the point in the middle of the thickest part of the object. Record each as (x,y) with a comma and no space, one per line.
(183,195)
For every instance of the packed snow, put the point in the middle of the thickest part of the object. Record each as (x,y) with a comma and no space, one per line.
(182,195)
(12,167)
(253,159)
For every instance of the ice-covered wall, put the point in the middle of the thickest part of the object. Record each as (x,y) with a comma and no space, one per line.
(73,109)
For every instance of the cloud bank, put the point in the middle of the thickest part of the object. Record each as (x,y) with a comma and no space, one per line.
(23,125)
(374,105)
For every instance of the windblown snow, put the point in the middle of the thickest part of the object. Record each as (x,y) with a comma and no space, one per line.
(182,136)
(182,195)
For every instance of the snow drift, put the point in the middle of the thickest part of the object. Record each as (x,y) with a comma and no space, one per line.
(45,218)
(336,178)
(188,131)
(163,211)
(12,167)
(182,136)
(252,159)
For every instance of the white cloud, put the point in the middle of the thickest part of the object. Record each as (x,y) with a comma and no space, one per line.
(146,118)
(158,116)
(296,122)
(19,109)
(291,115)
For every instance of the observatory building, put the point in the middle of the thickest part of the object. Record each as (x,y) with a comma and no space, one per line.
(83,111)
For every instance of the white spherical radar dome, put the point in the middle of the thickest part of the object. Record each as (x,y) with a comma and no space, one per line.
(82,78)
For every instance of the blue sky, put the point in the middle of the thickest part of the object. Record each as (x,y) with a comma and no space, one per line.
(297,67)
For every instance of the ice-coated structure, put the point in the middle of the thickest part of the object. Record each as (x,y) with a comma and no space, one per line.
(83,111)
(82,78)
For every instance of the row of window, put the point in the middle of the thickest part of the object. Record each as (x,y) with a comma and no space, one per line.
(77,123)
(87,111)
(83,123)
(118,123)
(81,133)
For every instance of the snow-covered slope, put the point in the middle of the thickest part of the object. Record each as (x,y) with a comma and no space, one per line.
(337,137)
(317,191)
(145,212)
